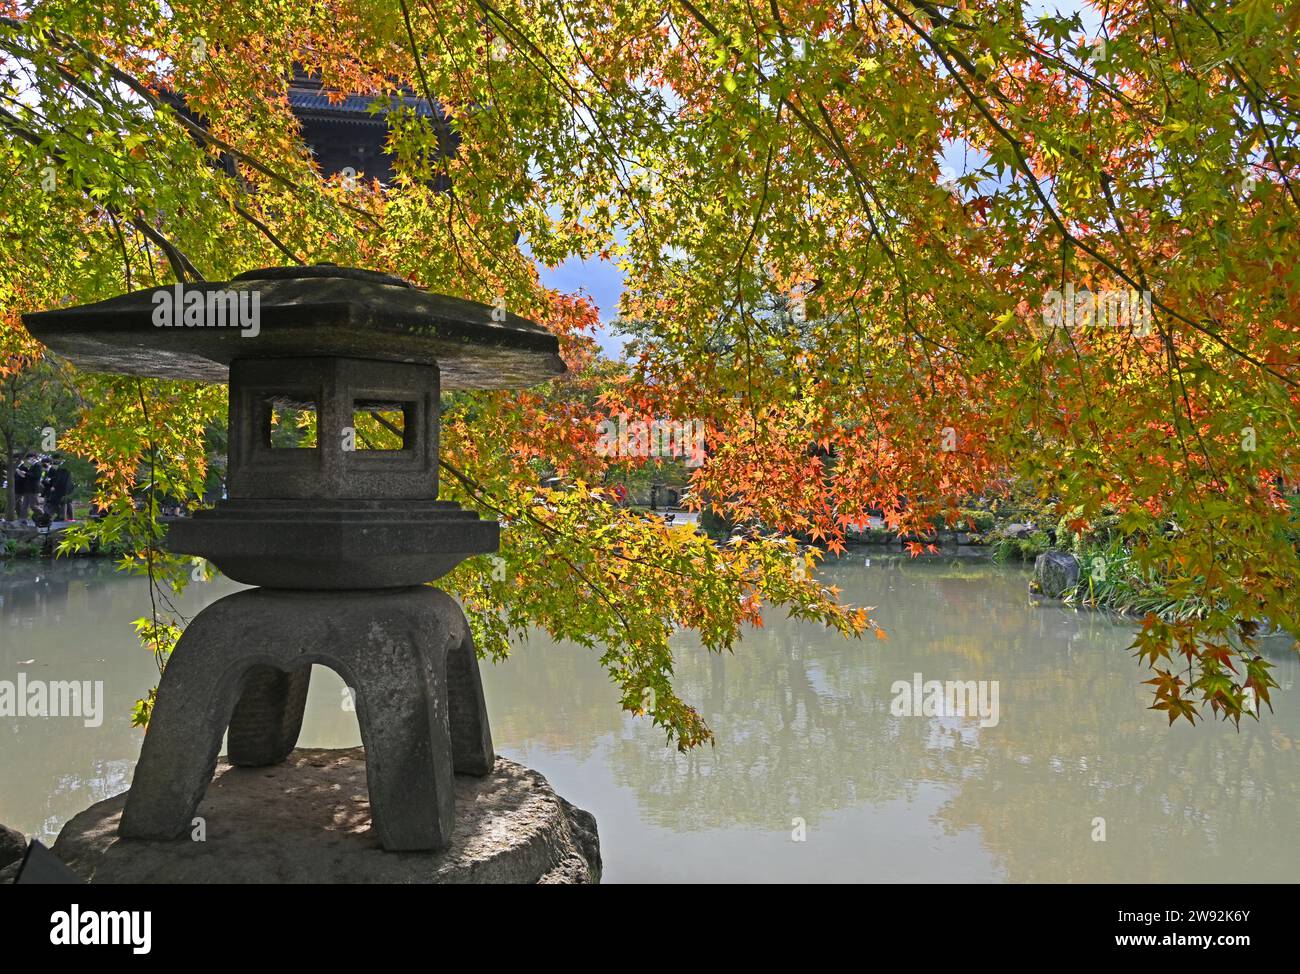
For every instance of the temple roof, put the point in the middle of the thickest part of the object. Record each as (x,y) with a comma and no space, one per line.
(348,134)
(315,99)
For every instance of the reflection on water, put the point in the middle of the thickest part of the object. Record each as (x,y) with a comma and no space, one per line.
(805,735)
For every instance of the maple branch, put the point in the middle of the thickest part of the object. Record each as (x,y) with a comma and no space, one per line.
(267,232)
(181,265)
(470,484)
(942,51)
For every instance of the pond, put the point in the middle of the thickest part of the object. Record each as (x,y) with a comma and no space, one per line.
(816,776)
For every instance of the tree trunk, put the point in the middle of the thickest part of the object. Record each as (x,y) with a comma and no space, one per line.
(11,465)
(11,505)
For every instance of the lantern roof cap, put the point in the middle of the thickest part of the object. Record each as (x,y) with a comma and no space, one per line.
(320,310)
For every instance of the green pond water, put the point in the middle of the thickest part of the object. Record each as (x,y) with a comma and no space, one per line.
(814,777)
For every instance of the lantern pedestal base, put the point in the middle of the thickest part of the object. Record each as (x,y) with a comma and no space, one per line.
(308,820)
(244,663)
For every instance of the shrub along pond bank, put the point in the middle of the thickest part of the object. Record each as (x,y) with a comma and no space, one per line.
(24,541)
(1097,569)
(1093,569)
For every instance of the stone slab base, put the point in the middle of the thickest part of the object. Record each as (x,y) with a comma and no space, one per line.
(308,821)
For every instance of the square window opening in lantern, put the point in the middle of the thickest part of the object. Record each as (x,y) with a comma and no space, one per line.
(290,424)
(383,426)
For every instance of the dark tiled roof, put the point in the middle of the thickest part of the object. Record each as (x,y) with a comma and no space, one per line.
(316,100)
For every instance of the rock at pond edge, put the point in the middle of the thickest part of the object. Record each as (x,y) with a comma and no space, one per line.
(308,821)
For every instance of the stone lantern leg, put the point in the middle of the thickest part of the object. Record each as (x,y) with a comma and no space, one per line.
(332,512)
(244,662)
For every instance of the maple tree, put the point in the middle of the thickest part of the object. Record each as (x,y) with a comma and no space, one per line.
(722,151)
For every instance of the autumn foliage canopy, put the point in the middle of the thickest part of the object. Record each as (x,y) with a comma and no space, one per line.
(840,226)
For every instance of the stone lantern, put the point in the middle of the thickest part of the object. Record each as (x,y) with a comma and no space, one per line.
(339,538)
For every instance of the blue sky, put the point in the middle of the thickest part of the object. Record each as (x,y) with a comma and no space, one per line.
(600,280)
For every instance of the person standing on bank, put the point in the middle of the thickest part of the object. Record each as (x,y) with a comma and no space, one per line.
(59,504)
